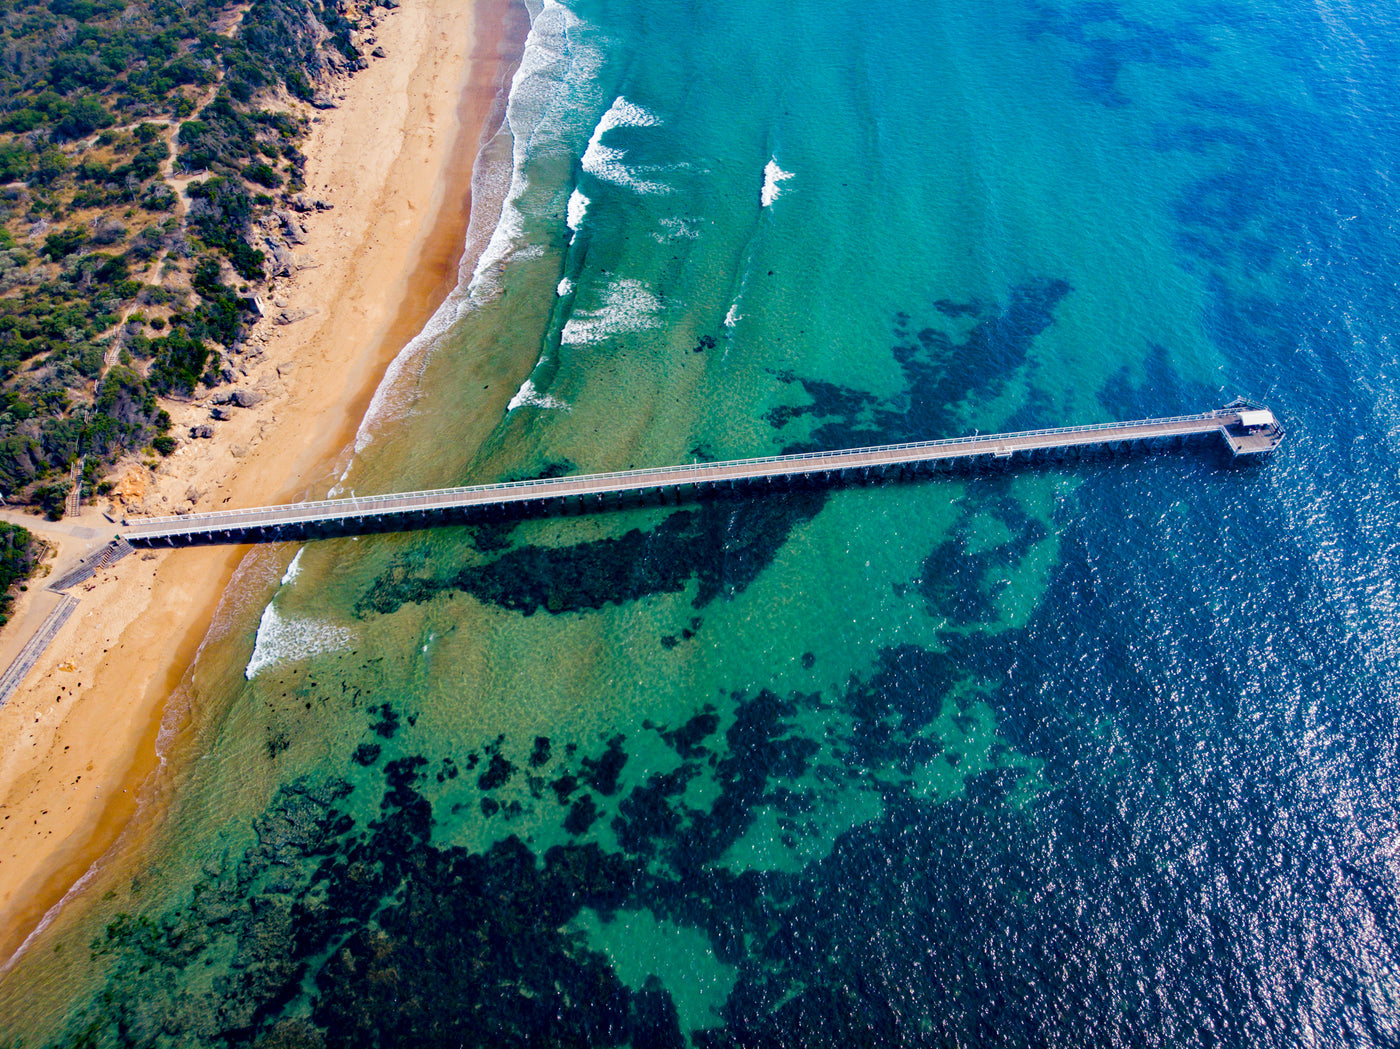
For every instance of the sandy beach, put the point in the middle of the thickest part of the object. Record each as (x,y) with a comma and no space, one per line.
(78,739)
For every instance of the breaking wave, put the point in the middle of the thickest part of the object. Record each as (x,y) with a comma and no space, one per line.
(528,397)
(607,162)
(578,208)
(287,639)
(628,306)
(772,175)
(293,569)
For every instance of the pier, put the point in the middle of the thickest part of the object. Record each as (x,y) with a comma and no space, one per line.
(1247,430)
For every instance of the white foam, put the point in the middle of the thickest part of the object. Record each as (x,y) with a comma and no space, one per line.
(578,208)
(772,175)
(286,639)
(394,397)
(528,396)
(565,288)
(628,306)
(552,87)
(607,162)
(733,317)
(293,569)
(677,228)
(508,230)
(538,116)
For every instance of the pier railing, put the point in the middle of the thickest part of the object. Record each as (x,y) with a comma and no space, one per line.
(242,525)
(1247,429)
(673,471)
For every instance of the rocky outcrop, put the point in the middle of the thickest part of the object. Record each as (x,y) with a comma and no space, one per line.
(239,398)
(301,202)
(281,262)
(293,314)
(293,230)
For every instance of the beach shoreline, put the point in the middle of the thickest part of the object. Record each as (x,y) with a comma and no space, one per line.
(78,740)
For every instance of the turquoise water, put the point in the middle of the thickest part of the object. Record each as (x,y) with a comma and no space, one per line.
(1086,755)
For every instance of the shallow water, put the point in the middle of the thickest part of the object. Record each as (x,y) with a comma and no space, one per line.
(1101,754)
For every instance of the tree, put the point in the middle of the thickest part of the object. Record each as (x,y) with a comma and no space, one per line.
(84,116)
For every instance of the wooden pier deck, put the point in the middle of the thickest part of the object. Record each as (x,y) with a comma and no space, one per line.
(1246,429)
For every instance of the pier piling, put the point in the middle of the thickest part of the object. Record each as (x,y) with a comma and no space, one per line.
(1247,429)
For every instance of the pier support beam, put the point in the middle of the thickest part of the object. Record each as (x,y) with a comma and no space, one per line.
(1249,431)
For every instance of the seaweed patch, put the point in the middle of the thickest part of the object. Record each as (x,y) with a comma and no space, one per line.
(337,933)
(940,374)
(723,544)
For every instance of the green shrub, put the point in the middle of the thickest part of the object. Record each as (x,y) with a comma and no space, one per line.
(18,557)
(63,243)
(263,174)
(179,362)
(51,499)
(16,160)
(84,116)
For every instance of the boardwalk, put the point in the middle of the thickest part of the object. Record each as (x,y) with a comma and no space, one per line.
(53,622)
(1246,429)
(35,646)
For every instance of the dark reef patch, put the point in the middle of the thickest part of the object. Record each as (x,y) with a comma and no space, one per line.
(582,815)
(953,579)
(601,773)
(367,754)
(1109,40)
(1126,398)
(497,774)
(539,754)
(448,771)
(941,374)
(686,740)
(388,722)
(647,813)
(564,786)
(723,543)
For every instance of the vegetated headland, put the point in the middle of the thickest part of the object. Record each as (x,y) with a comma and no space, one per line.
(153,176)
(220,222)
(153,186)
